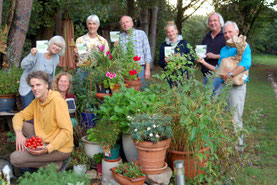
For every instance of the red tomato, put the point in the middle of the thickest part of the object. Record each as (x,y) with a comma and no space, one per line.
(33,137)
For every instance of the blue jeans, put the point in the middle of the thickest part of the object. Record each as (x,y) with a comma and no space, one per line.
(141,75)
(26,100)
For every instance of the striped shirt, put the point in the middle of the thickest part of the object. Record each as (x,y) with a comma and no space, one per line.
(141,45)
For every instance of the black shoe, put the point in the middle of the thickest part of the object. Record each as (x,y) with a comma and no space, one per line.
(64,165)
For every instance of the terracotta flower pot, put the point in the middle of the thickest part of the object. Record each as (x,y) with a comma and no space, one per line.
(127,181)
(152,155)
(136,84)
(101,95)
(192,166)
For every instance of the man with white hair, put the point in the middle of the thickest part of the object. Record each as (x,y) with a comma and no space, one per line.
(237,93)
(214,40)
(141,45)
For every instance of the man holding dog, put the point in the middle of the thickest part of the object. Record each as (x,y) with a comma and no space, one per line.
(237,92)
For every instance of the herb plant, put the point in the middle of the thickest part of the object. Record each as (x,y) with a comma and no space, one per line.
(129,170)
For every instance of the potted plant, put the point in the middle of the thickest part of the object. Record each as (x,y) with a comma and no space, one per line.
(129,63)
(128,174)
(97,158)
(199,122)
(151,134)
(9,84)
(106,135)
(79,160)
(91,146)
(121,107)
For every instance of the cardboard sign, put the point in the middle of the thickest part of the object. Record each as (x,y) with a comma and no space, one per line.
(201,50)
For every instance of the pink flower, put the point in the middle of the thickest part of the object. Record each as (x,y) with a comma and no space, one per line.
(107,74)
(101,48)
(108,53)
(114,75)
(111,57)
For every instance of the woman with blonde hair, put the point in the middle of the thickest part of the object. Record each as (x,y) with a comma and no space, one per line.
(176,42)
(63,84)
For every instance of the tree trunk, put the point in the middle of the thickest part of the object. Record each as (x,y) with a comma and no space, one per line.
(58,24)
(179,17)
(153,33)
(18,31)
(1,8)
(131,8)
(144,21)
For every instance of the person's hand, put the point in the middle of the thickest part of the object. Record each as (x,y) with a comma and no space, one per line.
(165,59)
(115,43)
(19,141)
(200,60)
(34,51)
(210,55)
(147,74)
(225,76)
(39,151)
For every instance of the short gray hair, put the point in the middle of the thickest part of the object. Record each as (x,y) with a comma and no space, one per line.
(233,23)
(57,40)
(221,20)
(94,19)
(126,16)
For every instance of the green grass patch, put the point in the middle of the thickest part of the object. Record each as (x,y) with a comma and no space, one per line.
(263,157)
(264,59)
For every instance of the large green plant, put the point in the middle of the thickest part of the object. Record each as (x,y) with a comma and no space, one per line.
(9,80)
(49,175)
(120,107)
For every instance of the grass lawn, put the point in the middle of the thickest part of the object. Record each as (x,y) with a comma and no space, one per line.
(262,168)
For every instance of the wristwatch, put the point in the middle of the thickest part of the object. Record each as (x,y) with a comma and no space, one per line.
(230,74)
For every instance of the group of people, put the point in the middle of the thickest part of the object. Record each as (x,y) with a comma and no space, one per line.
(48,109)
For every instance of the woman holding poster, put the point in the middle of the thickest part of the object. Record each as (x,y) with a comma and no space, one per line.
(36,61)
(173,44)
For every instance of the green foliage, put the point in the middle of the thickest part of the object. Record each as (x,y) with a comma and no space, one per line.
(106,133)
(129,102)
(9,80)
(153,128)
(197,26)
(11,137)
(78,156)
(49,175)
(129,170)
(97,158)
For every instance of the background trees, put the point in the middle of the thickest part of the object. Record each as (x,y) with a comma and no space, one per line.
(256,19)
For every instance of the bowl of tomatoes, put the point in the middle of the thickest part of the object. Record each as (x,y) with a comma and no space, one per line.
(33,142)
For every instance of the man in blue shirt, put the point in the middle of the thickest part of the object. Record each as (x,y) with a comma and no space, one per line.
(237,93)
(141,45)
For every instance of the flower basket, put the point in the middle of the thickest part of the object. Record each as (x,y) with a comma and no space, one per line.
(127,181)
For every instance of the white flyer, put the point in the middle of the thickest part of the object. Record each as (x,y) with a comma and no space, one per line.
(168,50)
(201,50)
(82,48)
(42,46)
(114,36)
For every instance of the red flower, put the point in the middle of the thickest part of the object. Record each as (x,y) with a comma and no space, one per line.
(133,72)
(137,58)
